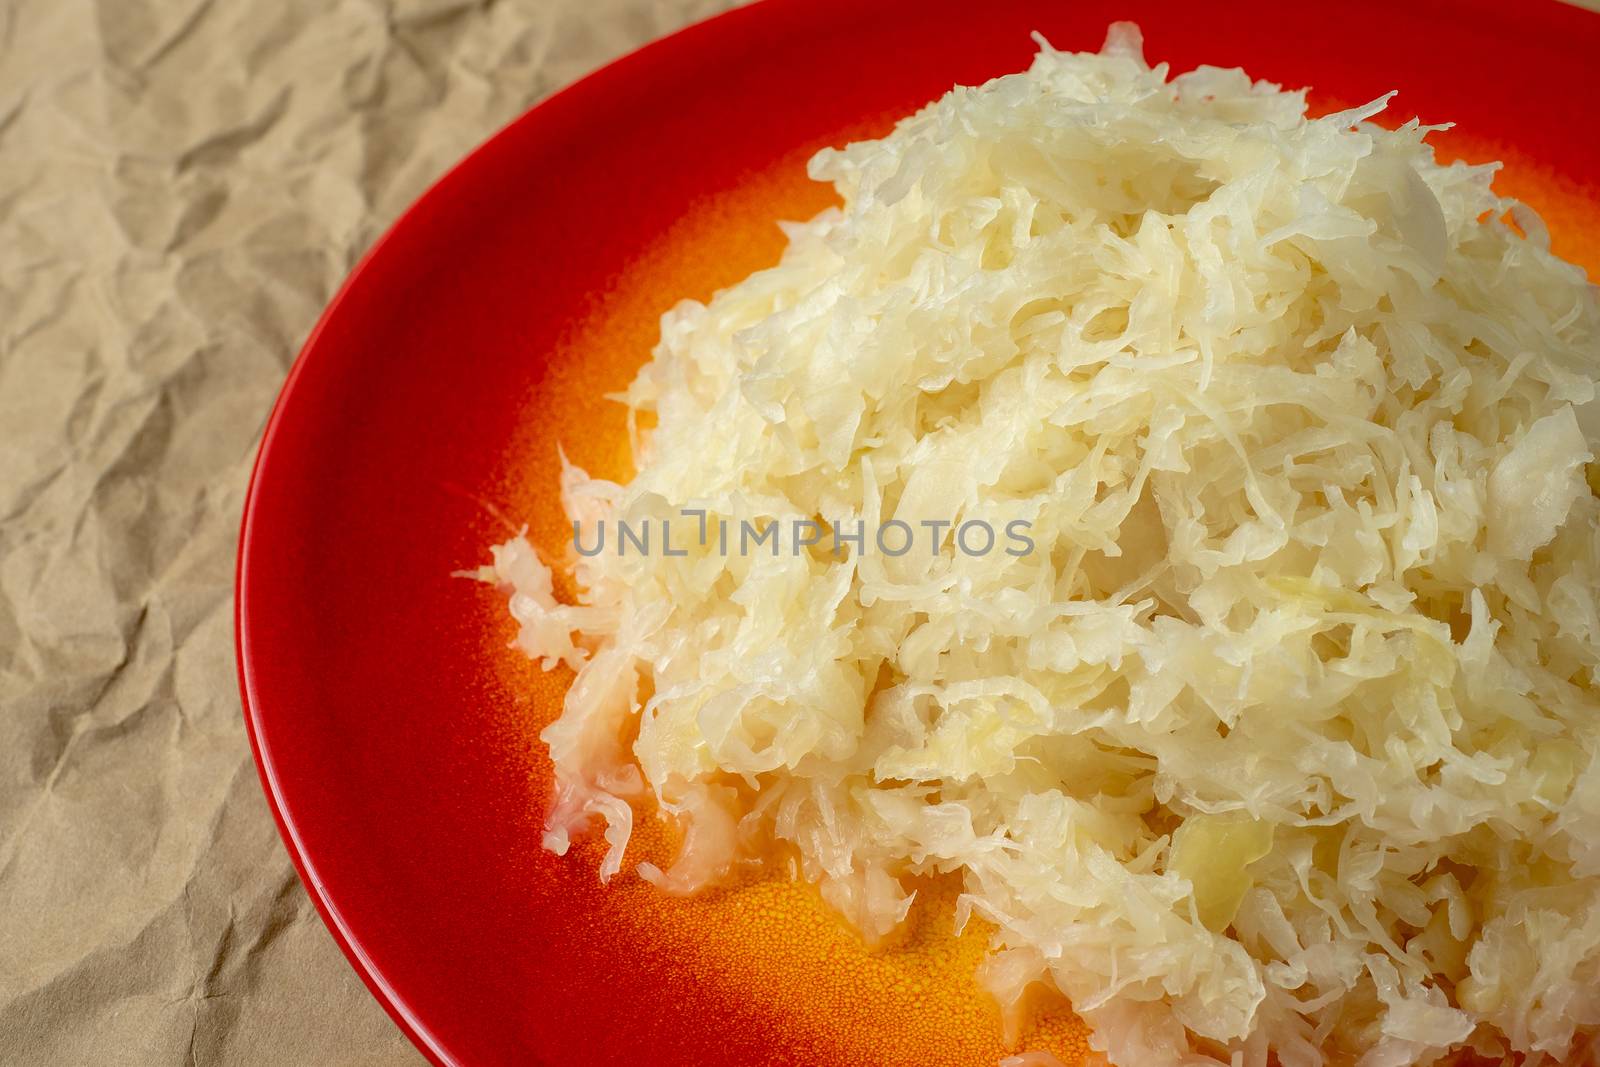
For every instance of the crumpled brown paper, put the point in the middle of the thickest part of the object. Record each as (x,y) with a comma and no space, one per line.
(183,184)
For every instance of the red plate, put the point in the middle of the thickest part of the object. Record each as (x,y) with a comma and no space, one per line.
(396,734)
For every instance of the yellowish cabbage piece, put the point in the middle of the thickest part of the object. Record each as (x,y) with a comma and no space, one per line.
(1214,853)
(1283,737)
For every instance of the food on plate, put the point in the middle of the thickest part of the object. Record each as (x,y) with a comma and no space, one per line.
(1170,514)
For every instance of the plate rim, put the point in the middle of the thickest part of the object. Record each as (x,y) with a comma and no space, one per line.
(546,111)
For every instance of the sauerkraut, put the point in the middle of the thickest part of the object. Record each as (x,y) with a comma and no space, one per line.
(1281,740)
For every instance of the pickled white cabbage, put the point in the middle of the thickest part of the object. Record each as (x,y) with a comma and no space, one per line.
(1283,738)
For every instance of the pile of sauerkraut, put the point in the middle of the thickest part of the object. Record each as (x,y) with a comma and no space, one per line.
(1282,740)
